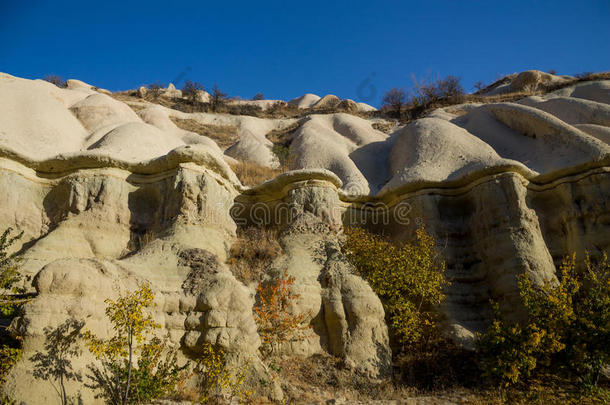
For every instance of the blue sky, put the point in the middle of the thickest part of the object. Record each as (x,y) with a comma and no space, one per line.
(354,49)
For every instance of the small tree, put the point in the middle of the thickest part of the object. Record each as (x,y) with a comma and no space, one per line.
(130,323)
(258,96)
(155,89)
(191,90)
(395,99)
(451,89)
(217,98)
(56,80)
(428,92)
(274,314)
(479,85)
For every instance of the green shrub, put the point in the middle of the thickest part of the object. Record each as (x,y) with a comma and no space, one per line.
(158,373)
(509,353)
(282,153)
(409,279)
(567,327)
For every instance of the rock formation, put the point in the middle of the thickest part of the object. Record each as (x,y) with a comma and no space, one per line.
(108,198)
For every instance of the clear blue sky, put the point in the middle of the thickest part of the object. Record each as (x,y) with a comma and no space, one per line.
(354,49)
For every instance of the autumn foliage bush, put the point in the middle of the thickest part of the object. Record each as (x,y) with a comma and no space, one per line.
(409,278)
(567,328)
(219,382)
(274,314)
(120,379)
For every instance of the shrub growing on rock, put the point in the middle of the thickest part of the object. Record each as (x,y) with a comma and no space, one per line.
(10,347)
(10,353)
(567,327)
(117,379)
(191,90)
(219,382)
(9,273)
(218,98)
(155,90)
(252,252)
(448,90)
(56,80)
(274,314)
(409,279)
(395,99)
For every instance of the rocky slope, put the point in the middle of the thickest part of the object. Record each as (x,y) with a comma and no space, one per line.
(108,197)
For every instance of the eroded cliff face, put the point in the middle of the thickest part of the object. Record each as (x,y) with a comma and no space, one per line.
(98,220)
(489,230)
(98,233)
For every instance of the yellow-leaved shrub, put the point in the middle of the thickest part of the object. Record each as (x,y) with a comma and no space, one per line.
(567,328)
(409,279)
(220,383)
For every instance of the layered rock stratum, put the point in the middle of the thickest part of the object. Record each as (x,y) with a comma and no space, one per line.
(109,197)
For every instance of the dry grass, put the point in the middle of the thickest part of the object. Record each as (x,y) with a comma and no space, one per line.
(223,135)
(385,127)
(251,174)
(130,97)
(321,377)
(318,378)
(283,136)
(252,252)
(501,98)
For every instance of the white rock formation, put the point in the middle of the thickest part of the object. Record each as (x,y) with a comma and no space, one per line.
(108,197)
(329,101)
(530,80)
(305,101)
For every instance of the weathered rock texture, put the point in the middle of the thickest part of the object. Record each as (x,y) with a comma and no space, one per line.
(108,198)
